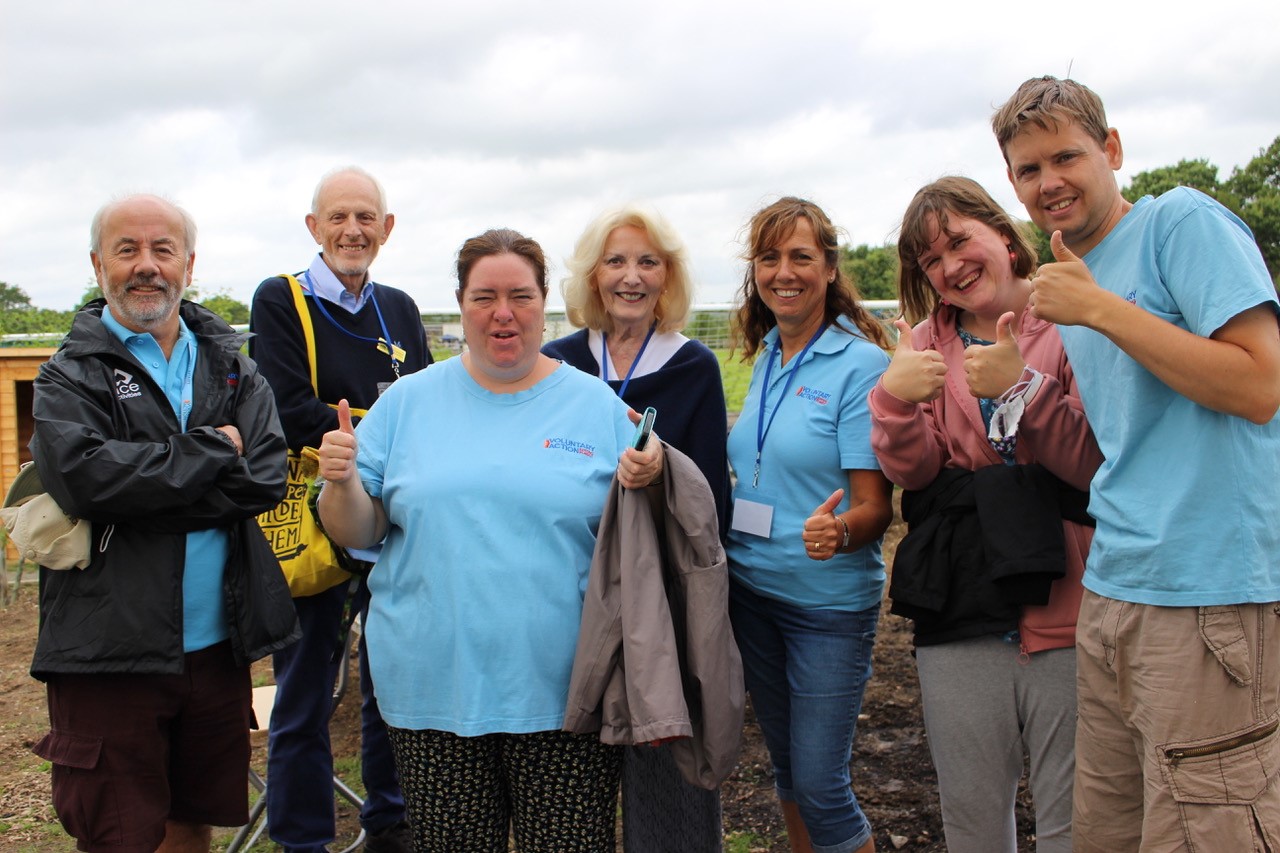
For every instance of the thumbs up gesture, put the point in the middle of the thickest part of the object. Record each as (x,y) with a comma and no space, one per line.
(338,448)
(992,370)
(916,376)
(1066,292)
(823,534)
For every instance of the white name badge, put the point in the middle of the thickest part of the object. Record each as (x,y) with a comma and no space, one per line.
(752,517)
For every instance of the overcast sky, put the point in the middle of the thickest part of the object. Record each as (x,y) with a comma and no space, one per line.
(539,115)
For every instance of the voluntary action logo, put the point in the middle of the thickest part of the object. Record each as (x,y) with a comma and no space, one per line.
(569,445)
(125,386)
(813,395)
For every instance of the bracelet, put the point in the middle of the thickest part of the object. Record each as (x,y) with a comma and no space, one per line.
(845,544)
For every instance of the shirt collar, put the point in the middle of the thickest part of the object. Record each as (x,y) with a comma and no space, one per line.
(325,285)
(831,340)
(130,338)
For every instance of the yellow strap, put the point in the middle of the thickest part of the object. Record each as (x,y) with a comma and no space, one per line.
(309,333)
(304,316)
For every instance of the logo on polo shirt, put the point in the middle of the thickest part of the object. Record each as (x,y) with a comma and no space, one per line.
(813,395)
(125,386)
(568,444)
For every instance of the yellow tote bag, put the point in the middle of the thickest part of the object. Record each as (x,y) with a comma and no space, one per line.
(311,563)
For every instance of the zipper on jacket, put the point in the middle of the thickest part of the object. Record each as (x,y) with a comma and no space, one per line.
(1176,754)
(105,538)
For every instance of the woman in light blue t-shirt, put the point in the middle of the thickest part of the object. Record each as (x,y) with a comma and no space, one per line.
(486,475)
(809,508)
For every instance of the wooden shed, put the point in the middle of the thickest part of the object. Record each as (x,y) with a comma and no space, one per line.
(18,368)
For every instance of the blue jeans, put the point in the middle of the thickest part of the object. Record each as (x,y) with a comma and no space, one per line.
(300,816)
(806,671)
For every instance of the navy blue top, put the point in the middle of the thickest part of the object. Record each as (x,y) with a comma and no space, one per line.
(688,395)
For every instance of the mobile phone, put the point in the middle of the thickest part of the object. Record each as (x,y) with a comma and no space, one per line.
(644,429)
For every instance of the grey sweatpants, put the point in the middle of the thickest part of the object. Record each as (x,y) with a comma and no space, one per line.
(983,703)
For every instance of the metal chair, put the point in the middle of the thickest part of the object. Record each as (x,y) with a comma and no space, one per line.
(263,700)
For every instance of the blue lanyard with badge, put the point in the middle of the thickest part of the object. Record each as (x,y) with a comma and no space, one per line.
(752,516)
(384,343)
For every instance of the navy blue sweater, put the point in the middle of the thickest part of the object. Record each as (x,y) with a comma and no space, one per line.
(348,368)
(689,397)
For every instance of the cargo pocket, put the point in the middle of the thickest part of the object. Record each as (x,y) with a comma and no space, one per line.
(67,749)
(69,753)
(1240,770)
(1222,630)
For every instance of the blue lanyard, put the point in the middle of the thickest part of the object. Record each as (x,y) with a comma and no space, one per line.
(762,429)
(604,359)
(383,344)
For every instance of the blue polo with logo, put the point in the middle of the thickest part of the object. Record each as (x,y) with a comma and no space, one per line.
(819,428)
(493,501)
(1186,501)
(204,613)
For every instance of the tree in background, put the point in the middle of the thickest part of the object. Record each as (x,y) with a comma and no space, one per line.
(19,317)
(1197,174)
(91,292)
(223,304)
(1251,192)
(873,269)
(13,298)
(1255,192)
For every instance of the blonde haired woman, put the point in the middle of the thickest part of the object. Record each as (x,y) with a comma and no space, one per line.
(628,285)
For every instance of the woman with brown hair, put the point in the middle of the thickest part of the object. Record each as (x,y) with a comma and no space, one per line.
(979,400)
(487,476)
(809,509)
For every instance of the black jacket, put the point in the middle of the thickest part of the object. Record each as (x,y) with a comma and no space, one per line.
(980,545)
(110,450)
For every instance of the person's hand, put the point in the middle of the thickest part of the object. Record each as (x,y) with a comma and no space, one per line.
(1065,292)
(916,376)
(993,369)
(231,432)
(822,534)
(639,468)
(338,448)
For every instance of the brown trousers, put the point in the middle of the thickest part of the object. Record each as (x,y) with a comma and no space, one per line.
(1177,741)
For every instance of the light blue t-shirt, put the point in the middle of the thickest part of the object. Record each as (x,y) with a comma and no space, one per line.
(204,612)
(1187,499)
(493,502)
(821,431)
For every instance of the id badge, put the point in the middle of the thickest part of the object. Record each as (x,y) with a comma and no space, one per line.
(395,351)
(752,517)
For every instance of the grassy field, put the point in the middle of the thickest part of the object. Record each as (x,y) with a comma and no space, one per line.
(736,377)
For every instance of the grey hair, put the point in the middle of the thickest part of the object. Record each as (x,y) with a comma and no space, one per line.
(348,170)
(188,223)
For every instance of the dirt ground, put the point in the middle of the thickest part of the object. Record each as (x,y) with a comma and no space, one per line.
(892,773)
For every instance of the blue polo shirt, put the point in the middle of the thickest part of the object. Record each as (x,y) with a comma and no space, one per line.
(204,616)
(1186,499)
(820,430)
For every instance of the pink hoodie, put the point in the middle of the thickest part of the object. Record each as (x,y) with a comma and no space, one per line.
(914,443)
